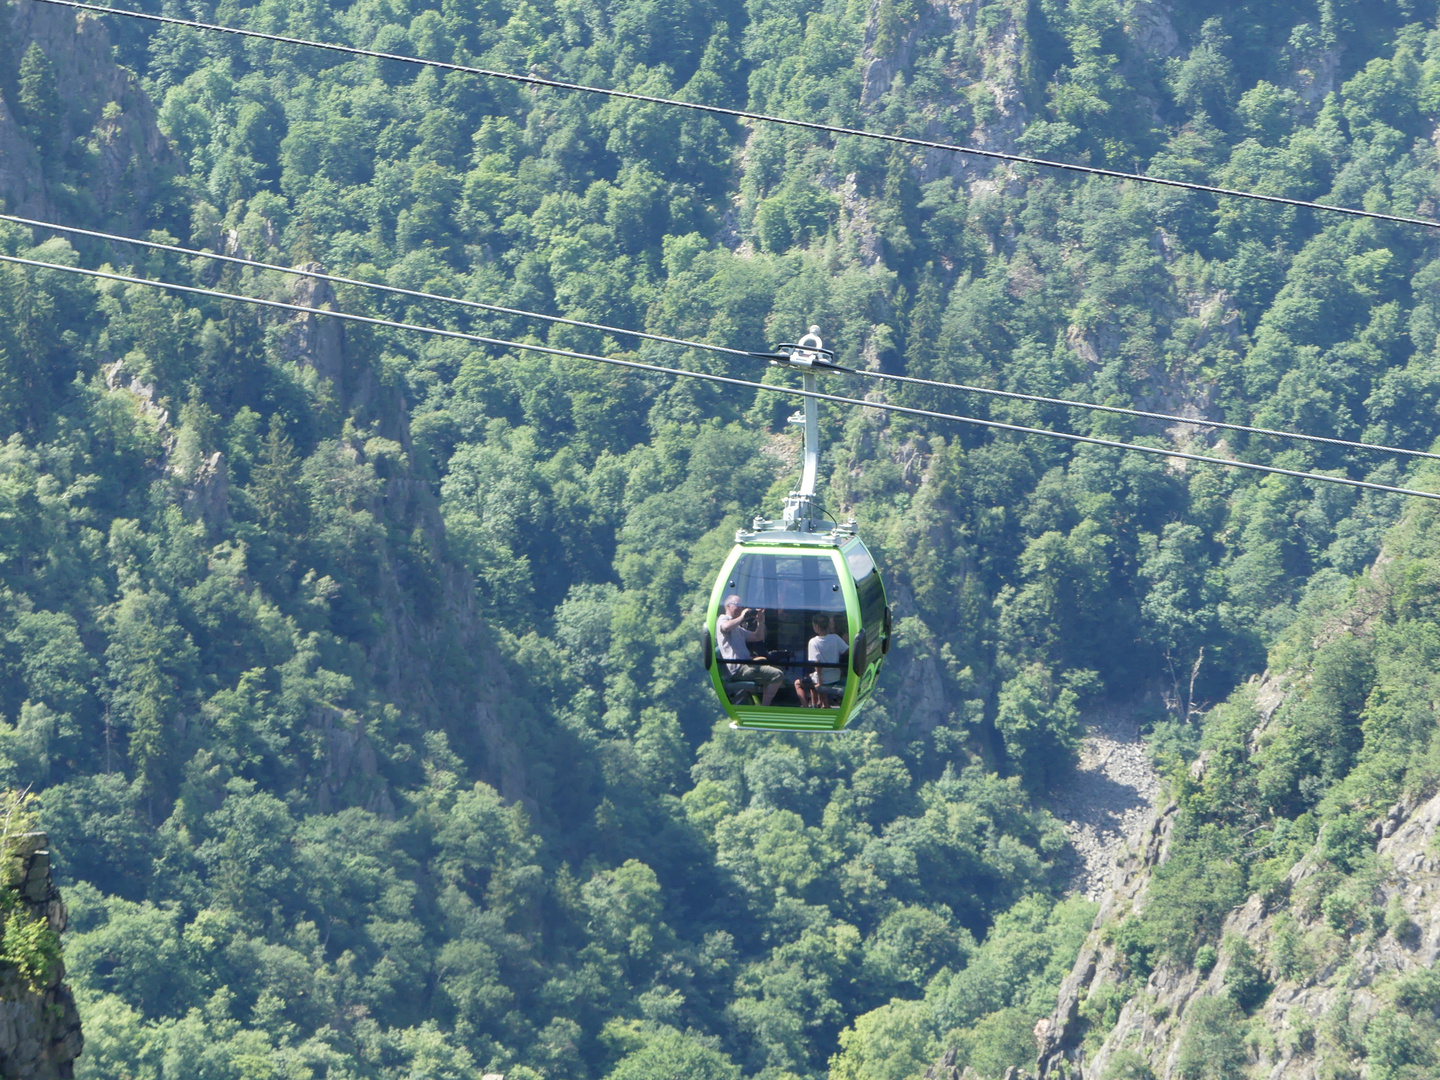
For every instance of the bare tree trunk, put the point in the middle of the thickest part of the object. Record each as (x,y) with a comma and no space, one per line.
(1194,674)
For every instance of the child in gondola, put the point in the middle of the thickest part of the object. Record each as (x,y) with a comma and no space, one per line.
(823,652)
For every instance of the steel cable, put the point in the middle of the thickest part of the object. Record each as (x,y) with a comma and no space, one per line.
(1119,410)
(744,114)
(726,380)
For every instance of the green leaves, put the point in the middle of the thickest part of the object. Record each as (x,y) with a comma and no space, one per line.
(1193,892)
(39,99)
(1212,1046)
(29,947)
(152,663)
(668,1053)
(985,1012)
(395,753)
(1040,724)
(1205,80)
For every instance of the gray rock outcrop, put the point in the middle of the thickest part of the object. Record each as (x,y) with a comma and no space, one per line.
(39,1026)
(129,163)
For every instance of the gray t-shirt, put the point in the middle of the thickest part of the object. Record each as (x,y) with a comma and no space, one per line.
(827,649)
(734,645)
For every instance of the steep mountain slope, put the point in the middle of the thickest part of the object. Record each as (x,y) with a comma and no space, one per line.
(77,132)
(356,673)
(1327,968)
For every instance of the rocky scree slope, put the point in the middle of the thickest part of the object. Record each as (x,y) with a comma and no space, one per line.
(1109,803)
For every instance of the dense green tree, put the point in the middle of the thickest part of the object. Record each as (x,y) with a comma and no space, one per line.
(1212,1047)
(38,99)
(1040,725)
(151,659)
(385,724)
(670,1053)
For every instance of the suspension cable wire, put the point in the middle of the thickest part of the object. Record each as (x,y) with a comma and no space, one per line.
(744,114)
(1119,410)
(725,380)
(417,294)
(338,279)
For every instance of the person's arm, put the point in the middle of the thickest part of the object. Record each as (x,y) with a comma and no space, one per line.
(725,624)
(758,634)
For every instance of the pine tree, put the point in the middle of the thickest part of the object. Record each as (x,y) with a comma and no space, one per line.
(275,484)
(39,100)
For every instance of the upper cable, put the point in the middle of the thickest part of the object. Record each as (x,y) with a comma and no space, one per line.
(745,114)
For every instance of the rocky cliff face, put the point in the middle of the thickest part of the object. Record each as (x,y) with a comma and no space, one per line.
(1337,970)
(1061,1037)
(107,137)
(39,1026)
(1328,976)
(433,631)
(986,68)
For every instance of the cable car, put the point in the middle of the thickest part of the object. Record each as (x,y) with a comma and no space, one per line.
(798,624)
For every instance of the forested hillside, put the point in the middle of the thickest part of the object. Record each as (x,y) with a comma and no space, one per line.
(356,672)
(1282,913)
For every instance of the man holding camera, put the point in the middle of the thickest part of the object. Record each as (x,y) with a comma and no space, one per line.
(735,645)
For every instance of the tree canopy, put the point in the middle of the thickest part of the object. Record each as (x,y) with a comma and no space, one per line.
(355,672)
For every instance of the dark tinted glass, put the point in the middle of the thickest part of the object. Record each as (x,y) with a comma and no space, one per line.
(871,593)
(787,583)
(792,591)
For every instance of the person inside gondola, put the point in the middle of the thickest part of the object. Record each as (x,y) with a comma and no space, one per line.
(735,641)
(823,652)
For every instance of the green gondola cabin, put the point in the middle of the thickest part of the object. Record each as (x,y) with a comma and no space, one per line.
(798,625)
